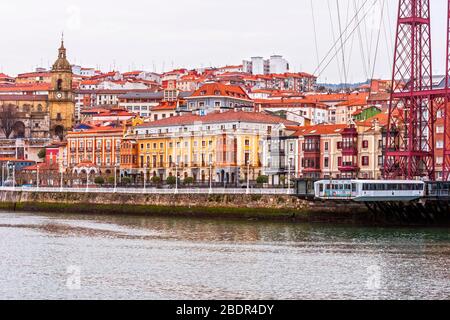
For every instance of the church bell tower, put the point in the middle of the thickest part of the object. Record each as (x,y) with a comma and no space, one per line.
(61,98)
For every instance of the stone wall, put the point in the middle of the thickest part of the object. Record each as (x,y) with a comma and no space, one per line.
(279,207)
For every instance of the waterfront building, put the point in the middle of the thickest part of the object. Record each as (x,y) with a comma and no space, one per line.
(340,151)
(98,147)
(213,97)
(222,146)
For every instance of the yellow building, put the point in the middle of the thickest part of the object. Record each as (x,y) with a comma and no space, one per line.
(223,147)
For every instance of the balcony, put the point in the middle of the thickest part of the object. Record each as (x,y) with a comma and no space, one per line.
(311,169)
(311,148)
(349,149)
(348,167)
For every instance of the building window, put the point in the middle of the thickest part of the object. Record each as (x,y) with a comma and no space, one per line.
(440,144)
(365,144)
(365,160)
(326,146)
(326,163)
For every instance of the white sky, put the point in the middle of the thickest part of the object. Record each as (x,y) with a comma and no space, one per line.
(151,34)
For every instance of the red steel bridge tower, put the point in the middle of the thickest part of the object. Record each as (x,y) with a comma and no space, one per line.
(446,107)
(410,137)
(416,107)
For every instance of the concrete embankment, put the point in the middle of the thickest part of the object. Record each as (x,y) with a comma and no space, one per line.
(258,207)
(232,206)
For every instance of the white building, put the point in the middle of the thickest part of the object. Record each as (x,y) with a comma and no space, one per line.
(276,64)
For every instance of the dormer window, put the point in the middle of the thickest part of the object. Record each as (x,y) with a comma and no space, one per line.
(202,93)
(217,93)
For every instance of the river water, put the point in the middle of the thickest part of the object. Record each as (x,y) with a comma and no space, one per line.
(48,256)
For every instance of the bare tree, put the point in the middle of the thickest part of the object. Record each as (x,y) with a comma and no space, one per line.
(8,118)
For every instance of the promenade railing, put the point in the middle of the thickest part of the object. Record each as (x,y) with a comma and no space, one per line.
(218,191)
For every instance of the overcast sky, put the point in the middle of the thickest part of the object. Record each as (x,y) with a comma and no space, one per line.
(152,35)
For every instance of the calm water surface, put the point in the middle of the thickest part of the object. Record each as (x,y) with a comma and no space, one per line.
(101,257)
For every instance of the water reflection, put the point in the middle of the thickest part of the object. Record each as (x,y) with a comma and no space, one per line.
(169,258)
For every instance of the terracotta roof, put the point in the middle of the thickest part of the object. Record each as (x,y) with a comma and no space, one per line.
(165,106)
(23,97)
(218,89)
(353,103)
(34,74)
(381,96)
(219,117)
(320,129)
(97,130)
(382,119)
(25,87)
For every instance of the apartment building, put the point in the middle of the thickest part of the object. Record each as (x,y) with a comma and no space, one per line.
(222,146)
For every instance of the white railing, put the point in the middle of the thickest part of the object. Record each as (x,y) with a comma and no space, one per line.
(217,191)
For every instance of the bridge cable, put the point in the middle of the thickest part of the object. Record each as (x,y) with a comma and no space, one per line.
(346,39)
(315,32)
(341,36)
(378,37)
(334,41)
(342,43)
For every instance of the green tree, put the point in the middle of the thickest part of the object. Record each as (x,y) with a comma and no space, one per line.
(262,179)
(188,181)
(111,180)
(99,181)
(156,179)
(42,153)
(126,180)
(171,180)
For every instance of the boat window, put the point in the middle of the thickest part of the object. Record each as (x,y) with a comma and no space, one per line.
(321,187)
(354,187)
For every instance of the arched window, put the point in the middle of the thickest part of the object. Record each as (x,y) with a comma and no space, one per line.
(59,84)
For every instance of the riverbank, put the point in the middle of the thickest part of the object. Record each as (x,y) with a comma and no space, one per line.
(218,206)
(240,206)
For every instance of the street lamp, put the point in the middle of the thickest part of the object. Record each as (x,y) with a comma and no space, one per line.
(289,175)
(87,180)
(3,178)
(176,176)
(61,182)
(145,177)
(115,177)
(210,177)
(248,175)
(37,176)
(14,176)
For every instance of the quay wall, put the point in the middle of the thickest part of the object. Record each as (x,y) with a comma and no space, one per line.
(235,206)
(228,206)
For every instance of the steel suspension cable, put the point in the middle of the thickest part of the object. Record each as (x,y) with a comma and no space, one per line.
(341,35)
